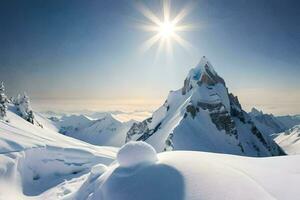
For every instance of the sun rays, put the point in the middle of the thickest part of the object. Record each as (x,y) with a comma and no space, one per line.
(166,28)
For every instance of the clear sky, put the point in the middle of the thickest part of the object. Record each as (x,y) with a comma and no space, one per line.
(87,54)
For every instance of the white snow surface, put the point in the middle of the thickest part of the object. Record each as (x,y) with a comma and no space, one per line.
(33,160)
(290,140)
(38,163)
(186,175)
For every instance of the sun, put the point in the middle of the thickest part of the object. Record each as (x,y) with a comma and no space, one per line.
(165,29)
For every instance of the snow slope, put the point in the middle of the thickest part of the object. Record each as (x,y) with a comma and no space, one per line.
(35,159)
(203,116)
(290,140)
(103,131)
(186,175)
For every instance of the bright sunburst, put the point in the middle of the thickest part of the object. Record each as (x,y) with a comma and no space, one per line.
(165,30)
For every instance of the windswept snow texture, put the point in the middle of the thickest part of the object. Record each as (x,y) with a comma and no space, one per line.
(203,116)
(290,140)
(103,131)
(186,175)
(33,159)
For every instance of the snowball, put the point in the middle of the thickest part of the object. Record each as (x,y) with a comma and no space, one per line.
(134,153)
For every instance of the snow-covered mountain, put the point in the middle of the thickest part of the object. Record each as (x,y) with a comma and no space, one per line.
(290,140)
(267,120)
(38,163)
(273,124)
(103,131)
(123,116)
(203,116)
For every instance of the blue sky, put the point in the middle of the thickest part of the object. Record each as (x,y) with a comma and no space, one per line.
(91,51)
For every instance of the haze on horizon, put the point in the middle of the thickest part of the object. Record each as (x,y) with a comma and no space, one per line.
(87,56)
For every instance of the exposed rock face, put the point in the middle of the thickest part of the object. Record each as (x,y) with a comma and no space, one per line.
(169,143)
(202,115)
(236,108)
(208,76)
(192,110)
(186,86)
(140,129)
(220,117)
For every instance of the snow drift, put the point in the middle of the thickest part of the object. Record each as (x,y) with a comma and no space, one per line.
(184,175)
(33,160)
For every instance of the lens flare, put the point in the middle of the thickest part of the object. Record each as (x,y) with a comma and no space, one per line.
(166,30)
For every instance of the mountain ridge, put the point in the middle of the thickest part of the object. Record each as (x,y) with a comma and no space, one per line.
(204,116)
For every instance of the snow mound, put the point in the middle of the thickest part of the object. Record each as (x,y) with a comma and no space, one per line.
(134,153)
(187,175)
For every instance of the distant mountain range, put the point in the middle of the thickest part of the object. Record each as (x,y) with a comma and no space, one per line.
(101,128)
(104,131)
(202,115)
(275,124)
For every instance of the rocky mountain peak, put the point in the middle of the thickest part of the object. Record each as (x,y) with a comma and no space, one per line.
(203,73)
(255,112)
(203,115)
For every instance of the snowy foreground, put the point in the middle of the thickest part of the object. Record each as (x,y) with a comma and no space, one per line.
(34,159)
(140,173)
(38,163)
(193,175)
